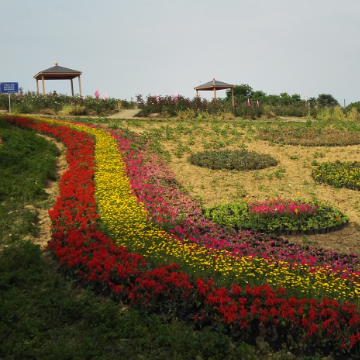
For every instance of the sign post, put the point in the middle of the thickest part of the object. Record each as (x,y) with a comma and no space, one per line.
(9,88)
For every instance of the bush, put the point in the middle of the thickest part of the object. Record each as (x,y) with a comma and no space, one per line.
(277,215)
(339,174)
(232,160)
(32,103)
(351,106)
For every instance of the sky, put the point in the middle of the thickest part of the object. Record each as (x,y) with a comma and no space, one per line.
(163,47)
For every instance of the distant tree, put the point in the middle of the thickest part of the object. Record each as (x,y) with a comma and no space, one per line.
(355,105)
(327,100)
(296,98)
(241,92)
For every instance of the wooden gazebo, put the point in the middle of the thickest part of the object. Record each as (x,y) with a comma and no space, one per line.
(215,85)
(57,73)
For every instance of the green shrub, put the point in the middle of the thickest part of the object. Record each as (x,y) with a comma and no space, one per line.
(240,215)
(351,106)
(339,174)
(232,160)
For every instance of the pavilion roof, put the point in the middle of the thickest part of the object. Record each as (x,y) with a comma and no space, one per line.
(210,85)
(58,72)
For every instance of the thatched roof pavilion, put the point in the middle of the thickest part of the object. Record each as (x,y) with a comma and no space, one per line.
(215,85)
(57,73)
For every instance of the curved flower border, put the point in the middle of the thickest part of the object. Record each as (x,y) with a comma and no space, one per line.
(86,252)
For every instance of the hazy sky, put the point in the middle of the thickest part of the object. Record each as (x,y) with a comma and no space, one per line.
(164,47)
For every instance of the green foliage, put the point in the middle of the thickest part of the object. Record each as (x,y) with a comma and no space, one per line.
(26,161)
(232,160)
(327,100)
(32,103)
(238,216)
(339,174)
(351,106)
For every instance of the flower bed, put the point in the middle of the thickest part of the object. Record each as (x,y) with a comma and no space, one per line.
(232,160)
(247,311)
(311,136)
(154,185)
(279,216)
(339,174)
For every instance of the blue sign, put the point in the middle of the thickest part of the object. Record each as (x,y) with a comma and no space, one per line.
(7,88)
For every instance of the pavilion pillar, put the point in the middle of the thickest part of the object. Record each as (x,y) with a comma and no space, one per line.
(80,86)
(197,93)
(232,97)
(214,96)
(72,87)
(43,84)
(37,86)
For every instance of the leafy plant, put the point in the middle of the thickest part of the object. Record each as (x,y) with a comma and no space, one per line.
(274,215)
(232,160)
(339,174)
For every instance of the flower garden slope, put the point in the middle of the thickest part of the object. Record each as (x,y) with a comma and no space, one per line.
(200,259)
(128,223)
(90,254)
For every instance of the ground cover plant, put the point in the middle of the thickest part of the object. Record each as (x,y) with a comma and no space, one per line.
(338,174)
(282,216)
(232,160)
(74,241)
(320,134)
(26,162)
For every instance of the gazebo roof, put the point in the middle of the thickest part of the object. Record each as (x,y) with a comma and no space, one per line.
(214,84)
(57,72)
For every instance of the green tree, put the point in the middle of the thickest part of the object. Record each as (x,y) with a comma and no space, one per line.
(327,100)
(241,92)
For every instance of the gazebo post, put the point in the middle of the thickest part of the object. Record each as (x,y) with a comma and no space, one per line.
(232,97)
(43,84)
(37,86)
(197,93)
(214,95)
(80,86)
(72,87)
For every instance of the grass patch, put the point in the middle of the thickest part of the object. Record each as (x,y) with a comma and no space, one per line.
(44,316)
(26,162)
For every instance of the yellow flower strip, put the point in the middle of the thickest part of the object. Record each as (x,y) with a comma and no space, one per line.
(127,221)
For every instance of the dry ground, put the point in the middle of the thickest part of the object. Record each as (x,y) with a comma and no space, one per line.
(52,188)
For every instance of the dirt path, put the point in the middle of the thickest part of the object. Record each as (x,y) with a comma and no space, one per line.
(125,114)
(52,188)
